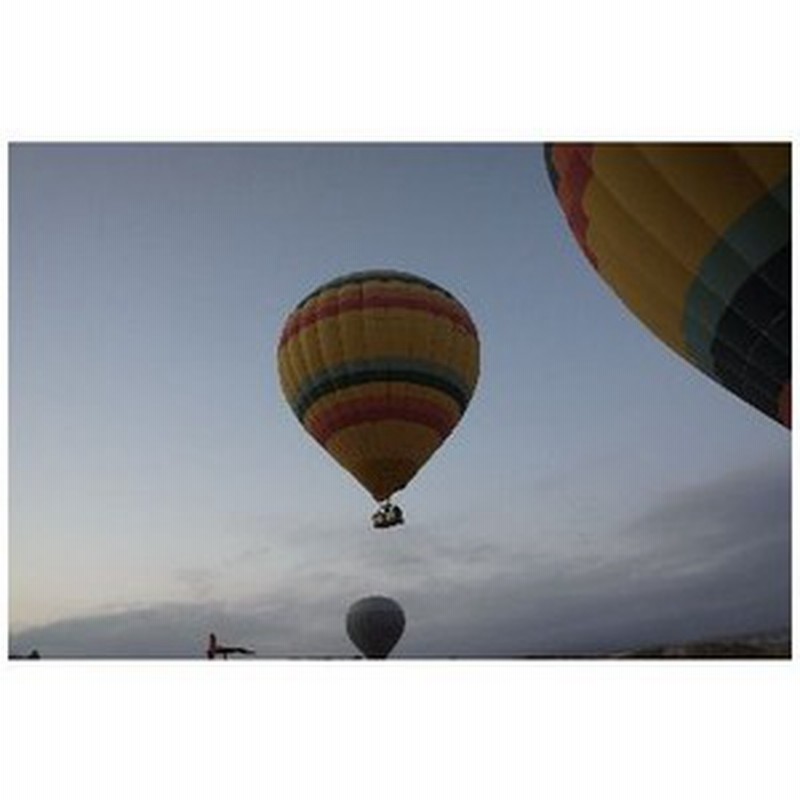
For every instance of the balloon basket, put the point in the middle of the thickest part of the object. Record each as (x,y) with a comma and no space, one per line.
(387,516)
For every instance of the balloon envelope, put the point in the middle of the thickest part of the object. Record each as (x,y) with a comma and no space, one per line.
(696,240)
(375,625)
(379,366)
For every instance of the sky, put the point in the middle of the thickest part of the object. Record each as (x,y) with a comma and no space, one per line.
(598,494)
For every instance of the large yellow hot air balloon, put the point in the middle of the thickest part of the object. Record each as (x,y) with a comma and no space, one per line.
(379,366)
(696,241)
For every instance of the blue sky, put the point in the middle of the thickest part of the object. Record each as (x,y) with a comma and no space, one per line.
(599,492)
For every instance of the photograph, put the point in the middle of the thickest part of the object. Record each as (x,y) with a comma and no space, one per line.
(414,401)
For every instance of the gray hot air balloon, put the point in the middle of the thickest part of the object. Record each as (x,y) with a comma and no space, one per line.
(375,625)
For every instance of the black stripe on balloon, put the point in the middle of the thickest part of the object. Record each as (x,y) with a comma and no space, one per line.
(552,172)
(346,380)
(738,375)
(757,311)
(752,344)
(777,273)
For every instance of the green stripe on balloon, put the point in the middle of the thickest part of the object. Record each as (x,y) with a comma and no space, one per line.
(356,278)
(422,373)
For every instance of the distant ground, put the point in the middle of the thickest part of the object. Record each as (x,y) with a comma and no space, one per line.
(762,645)
(772,644)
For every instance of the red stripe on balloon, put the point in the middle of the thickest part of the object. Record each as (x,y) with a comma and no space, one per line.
(356,411)
(573,164)
(334,306)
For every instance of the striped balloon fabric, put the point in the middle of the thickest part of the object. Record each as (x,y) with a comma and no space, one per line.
(379,366)
(696,241)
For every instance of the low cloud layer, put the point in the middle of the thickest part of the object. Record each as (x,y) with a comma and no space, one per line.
(712,560)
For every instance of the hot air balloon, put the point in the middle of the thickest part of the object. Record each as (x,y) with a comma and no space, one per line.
(379,367)
(375,625)
(696,241)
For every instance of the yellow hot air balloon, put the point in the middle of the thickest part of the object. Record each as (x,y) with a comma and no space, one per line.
(696,240)
(379,366)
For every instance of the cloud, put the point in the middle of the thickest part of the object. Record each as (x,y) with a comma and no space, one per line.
(709,560)
(199,582)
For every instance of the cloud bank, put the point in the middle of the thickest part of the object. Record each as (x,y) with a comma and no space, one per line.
(710,560)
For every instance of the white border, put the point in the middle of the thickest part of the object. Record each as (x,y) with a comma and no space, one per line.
(437,71)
